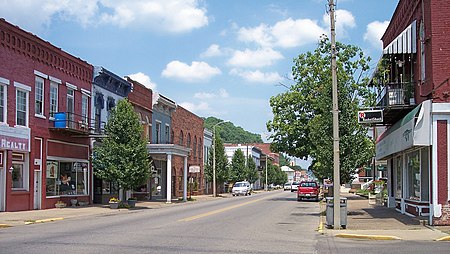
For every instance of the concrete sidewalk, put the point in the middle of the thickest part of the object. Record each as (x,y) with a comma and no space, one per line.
(11,219)
(366,221)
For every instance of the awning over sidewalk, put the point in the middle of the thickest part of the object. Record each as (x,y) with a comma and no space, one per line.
(412,130)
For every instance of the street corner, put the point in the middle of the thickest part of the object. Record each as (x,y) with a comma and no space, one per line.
(367,237)
(29,222)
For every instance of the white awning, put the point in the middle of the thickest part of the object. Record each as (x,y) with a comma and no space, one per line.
(405,43)
(412,130)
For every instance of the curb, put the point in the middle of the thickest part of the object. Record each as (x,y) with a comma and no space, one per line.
(43,221)
(368,237)
(445,238)
(5,226)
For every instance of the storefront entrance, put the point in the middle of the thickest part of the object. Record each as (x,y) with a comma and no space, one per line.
(2,181)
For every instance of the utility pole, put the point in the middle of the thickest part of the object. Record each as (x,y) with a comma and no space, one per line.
(336,171)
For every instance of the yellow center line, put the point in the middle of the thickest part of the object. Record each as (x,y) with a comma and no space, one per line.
(218,211)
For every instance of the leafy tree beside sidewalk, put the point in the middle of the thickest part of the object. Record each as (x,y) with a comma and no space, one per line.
(122,156)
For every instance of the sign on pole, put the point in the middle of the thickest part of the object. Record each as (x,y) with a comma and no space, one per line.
(370,116)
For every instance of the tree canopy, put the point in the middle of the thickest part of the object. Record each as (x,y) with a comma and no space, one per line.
(302,122)
(251,172)
(237,167)
(122,155)
(221,162)
(231,133)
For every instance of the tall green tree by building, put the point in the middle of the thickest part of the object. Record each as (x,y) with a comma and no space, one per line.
(302,122)
(221,162)
(122,156)
(251,172)
(237,167)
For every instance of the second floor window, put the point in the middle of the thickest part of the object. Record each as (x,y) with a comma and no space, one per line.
(189,141)
(84,109)
(53,98)
(181,138)
(167,134)
(158,133)
(2,103)
(21,107)
(195,147)
(39,96)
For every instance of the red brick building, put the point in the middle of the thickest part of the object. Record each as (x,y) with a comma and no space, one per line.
(187,131)
(141,98)
(414,95)
(44,123)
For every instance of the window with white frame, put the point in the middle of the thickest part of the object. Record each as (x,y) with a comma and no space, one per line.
(84,108)
(3,93)
(167,134)
(158,132)
(21,107)
(18,176)
(39,96)
(413,175)
(53,98)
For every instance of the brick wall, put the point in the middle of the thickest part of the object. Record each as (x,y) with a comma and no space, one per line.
(190,125)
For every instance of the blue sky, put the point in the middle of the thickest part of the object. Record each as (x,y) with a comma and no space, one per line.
(221,58)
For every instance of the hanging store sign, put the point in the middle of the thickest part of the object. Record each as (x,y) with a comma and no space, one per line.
(370,116)
(194,169)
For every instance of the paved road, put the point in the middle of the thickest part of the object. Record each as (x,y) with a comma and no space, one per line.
(271,222)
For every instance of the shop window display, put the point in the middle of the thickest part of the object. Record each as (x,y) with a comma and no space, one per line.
(66,178)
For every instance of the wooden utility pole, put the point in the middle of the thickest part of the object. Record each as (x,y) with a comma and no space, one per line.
(336,171)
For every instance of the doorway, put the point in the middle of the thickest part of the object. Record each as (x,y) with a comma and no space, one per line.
(37,190)
(2,182)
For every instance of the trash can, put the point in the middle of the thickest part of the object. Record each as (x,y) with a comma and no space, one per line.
(330,212)
(60,120)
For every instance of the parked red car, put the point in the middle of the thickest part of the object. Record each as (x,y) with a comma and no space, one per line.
(309,190)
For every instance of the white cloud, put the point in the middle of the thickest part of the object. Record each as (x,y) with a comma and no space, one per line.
(374,31)
(196,72)
(213,50)
(288,33)
(222,93)
(163,15)
(195,108)
(143,79)
(255,58)
(344,20)
(258,76)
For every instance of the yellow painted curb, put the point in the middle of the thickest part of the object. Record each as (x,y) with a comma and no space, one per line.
(4,226)
(43,221)
(369,237)
(445,238)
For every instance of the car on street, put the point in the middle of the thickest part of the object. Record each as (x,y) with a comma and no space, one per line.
(241,188)
(309,190)
(294,186)
(287,186)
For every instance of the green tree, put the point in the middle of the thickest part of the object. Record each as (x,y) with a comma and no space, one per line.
(232,134)
(122,156)
(302,122)
(221,162)
(237,167)
(284,160)
(274,175)
(251,170)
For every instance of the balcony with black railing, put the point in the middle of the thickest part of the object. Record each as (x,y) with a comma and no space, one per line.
(75,124)
(396,100)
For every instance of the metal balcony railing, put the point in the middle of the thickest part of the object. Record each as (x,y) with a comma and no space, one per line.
(76,123)
(395,94)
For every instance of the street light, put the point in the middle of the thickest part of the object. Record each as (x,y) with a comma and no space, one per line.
(265,186)
(214,156)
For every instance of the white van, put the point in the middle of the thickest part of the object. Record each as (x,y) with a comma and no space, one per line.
(241,188)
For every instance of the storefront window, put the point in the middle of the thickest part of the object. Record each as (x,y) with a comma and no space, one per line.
(17,176)
(66,178)
(398,176)
(425,173)
(413,175)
